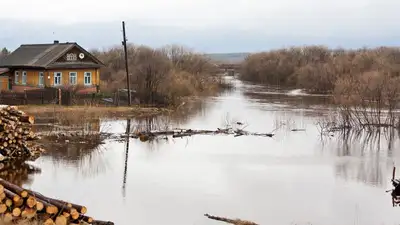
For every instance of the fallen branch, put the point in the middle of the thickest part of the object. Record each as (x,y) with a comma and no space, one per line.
(231,221)
(179,133)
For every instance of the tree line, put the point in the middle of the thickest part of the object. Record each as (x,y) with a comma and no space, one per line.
(362,82)
(159,75)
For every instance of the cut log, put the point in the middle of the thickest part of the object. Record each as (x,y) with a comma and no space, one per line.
(62,205)
(61,220)
(99,222)
(49,222)
(27,119)
(28,213)
(39,206)
(31,202)
(16,212)
(3,208)
(14,188)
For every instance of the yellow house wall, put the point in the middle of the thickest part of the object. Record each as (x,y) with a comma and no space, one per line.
(33,76)
(3,83)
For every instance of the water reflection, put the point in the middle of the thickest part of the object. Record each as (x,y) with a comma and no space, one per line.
(364,156)
(128,130)
(240,177)
(18,172)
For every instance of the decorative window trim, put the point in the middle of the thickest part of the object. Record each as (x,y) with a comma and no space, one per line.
(24,77)
(41,75)
(85,76)
(54,79)
(16,76)
(76,78)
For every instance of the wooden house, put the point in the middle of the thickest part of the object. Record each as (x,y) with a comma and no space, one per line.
(59,65)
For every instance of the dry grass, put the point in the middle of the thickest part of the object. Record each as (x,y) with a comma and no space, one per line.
(91,111)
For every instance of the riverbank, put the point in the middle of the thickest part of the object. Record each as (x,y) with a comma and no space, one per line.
(94,111)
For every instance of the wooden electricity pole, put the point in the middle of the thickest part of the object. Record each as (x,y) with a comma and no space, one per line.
(126,64)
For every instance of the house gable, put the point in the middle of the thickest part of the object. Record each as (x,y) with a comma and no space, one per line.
(76,55)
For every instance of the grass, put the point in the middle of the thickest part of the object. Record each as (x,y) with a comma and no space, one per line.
(93,111)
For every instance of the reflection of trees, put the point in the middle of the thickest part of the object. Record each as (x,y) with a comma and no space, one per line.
(368,146)
(18,172)
(368,171)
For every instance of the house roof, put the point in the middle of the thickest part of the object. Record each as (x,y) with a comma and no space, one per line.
(39,55)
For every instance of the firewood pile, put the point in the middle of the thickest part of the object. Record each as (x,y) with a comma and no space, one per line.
(16,135)
(19,204)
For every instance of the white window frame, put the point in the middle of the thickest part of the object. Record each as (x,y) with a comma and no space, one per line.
(16,76)
(24,77)
(85,76)
(41,79)
(76,78)
(54,79)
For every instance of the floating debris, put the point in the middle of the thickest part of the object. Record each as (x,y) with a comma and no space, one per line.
(231,221)
(179,133)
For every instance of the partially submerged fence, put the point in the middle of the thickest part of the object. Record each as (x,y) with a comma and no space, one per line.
(64,97)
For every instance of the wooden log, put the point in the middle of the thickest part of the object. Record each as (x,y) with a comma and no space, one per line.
(9,202)
(14,188)
(99,222)
(19,203)
(49,221)
(27,119)
(11,195)
(16,212)
(50,209)
(61,220)
(69,207)
(3,208)
(28,213)
(39,206)
(31,202)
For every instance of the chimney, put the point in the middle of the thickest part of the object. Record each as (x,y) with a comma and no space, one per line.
(56,42)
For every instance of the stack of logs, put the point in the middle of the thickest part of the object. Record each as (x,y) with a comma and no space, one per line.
(18,204)
(15,134)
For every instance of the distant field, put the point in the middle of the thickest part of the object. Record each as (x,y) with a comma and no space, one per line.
(228,57)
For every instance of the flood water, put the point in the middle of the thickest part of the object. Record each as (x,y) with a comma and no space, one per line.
(292,178)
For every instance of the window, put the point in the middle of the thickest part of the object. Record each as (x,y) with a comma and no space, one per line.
(23,80)
(72,78)
(57,78)
(41,79)
(88,78)
(16,77)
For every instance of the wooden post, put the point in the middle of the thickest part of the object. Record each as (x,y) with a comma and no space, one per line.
(59,96)
(25,98)
(126,64)
(42,96)
(118,97)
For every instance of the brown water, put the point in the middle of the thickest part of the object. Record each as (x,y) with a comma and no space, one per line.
(292,178)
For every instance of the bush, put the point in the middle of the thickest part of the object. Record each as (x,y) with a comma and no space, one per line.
(160,76)
(317,68)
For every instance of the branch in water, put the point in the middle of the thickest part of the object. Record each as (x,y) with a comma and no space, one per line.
(231,221)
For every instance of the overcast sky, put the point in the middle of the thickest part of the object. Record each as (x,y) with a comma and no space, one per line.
(283,22)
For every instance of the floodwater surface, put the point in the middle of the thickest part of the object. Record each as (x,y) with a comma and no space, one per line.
(292,178)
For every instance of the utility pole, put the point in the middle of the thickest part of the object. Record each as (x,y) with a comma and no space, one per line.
(126,64)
